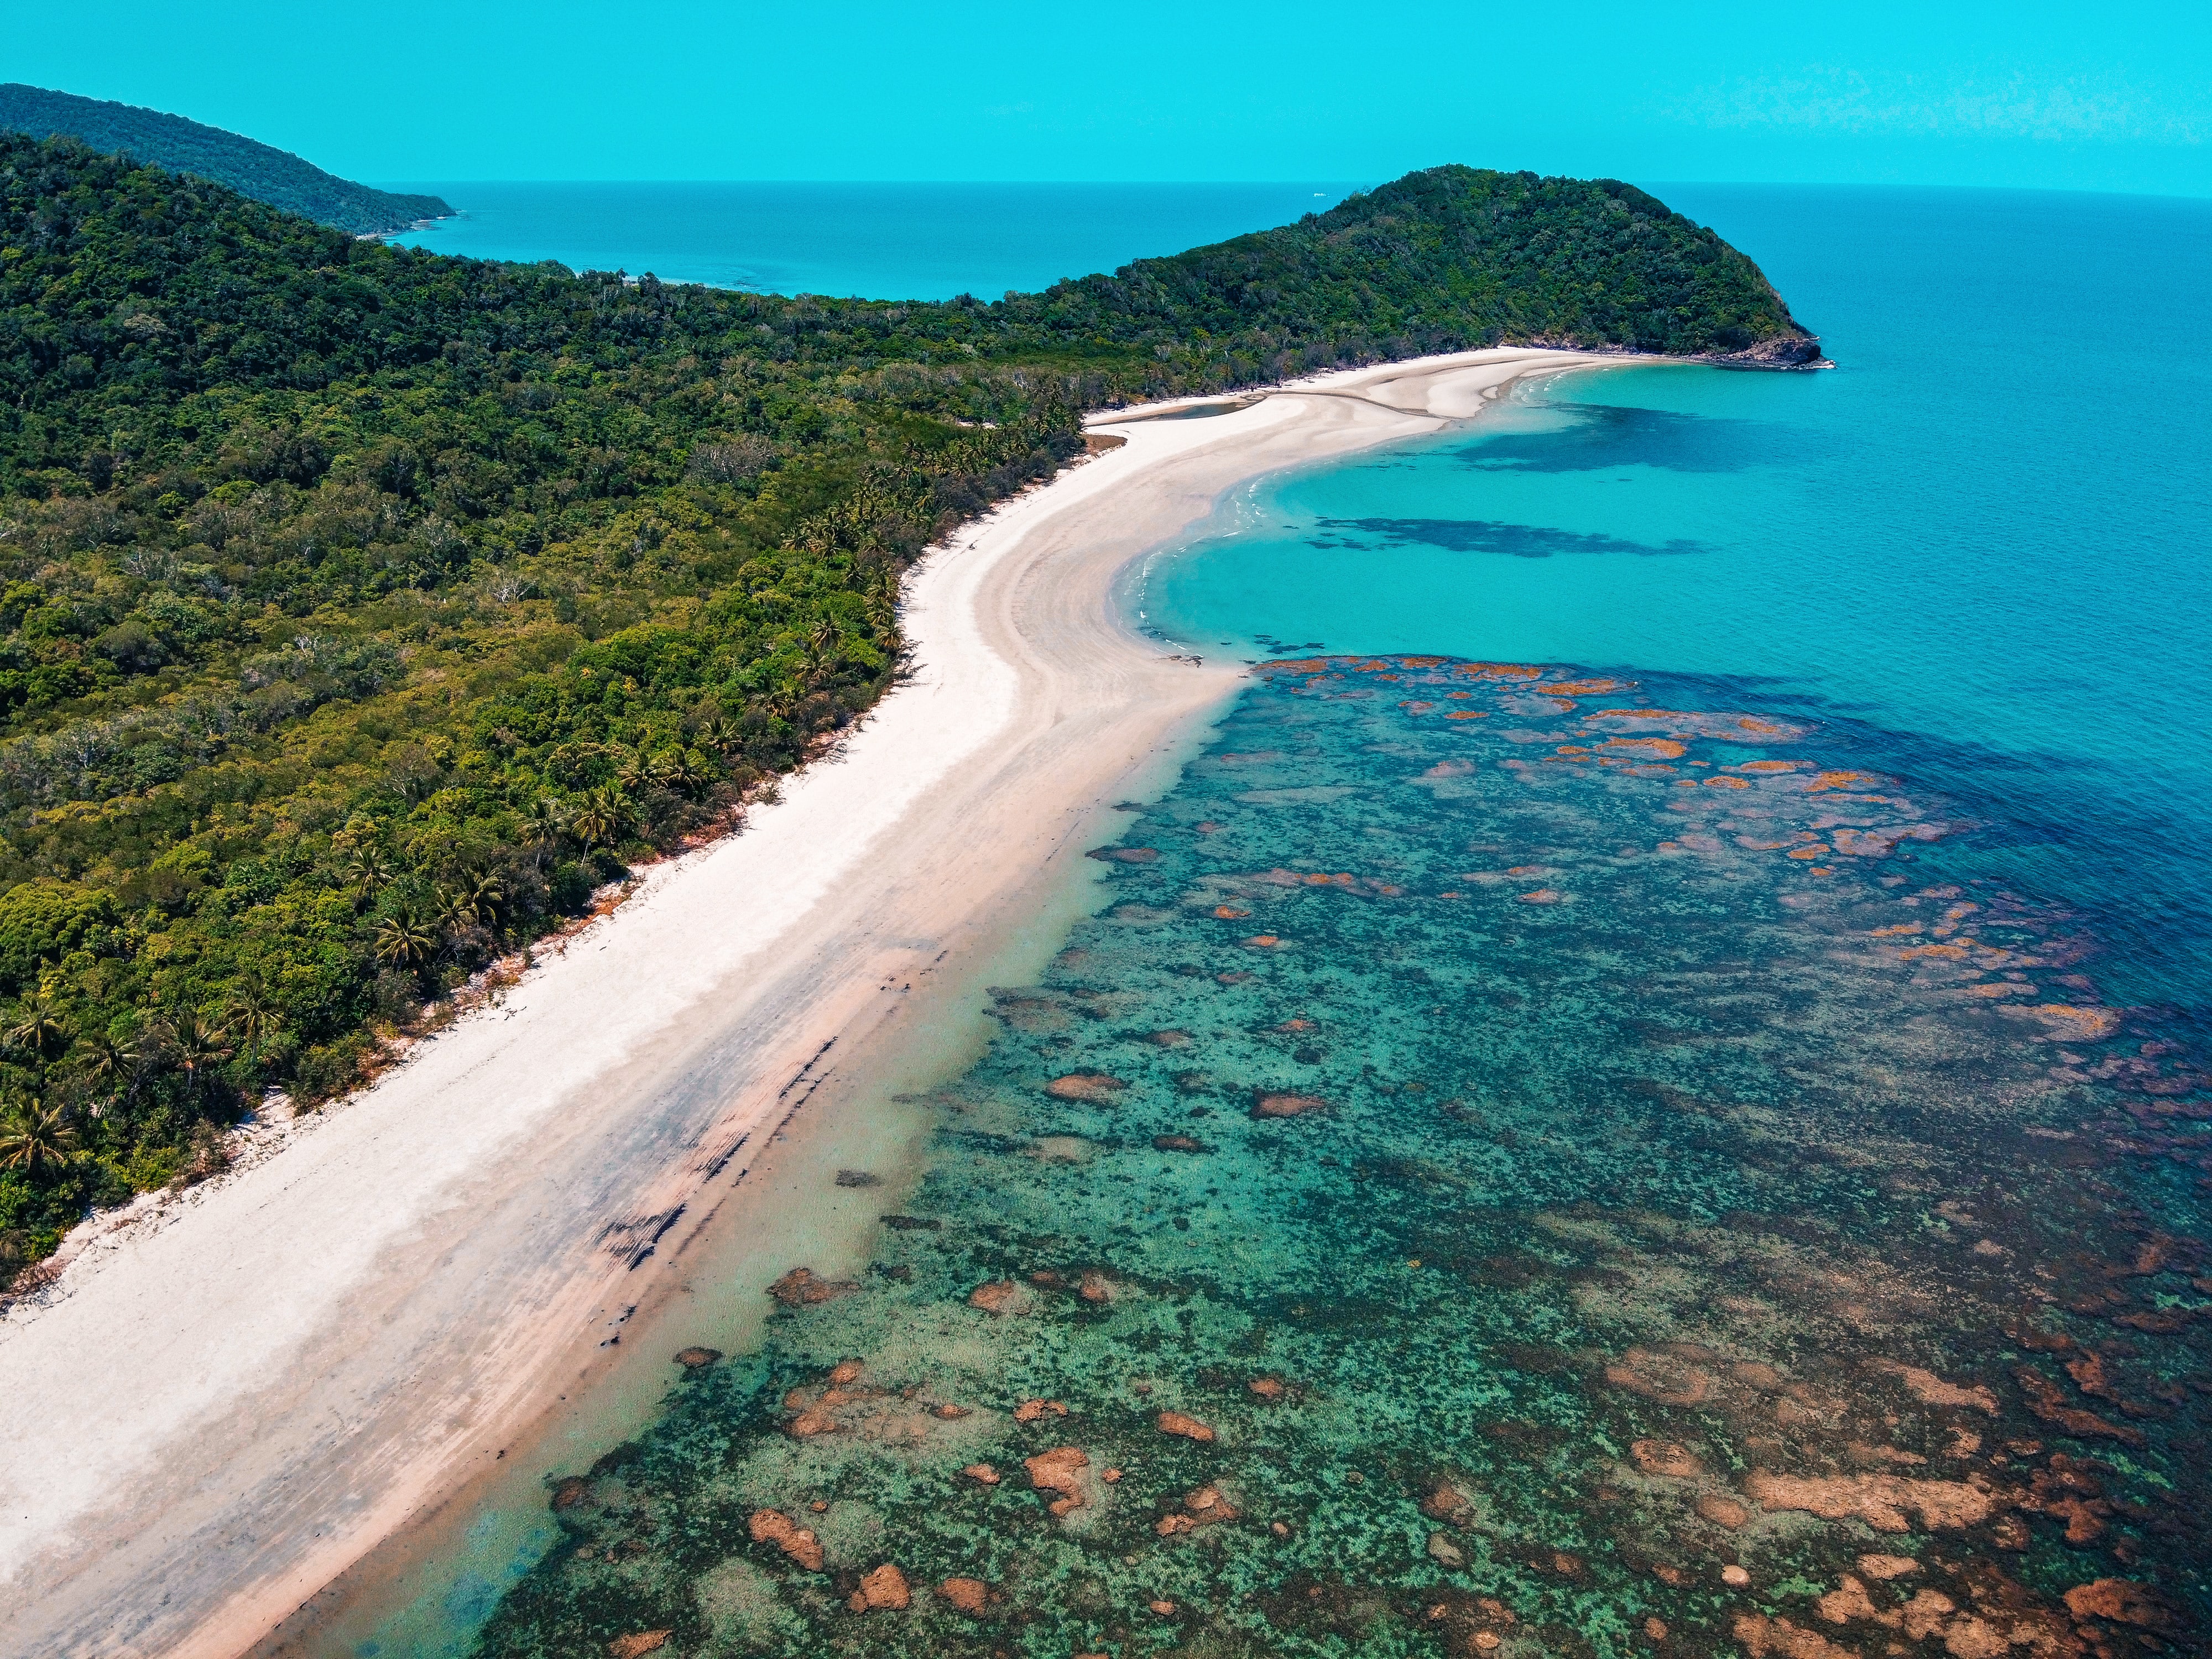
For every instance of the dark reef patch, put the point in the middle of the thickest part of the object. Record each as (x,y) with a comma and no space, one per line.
(1602,435)
(1517,541)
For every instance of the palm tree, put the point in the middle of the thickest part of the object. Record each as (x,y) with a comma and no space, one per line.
(487,897)
(32,1134)
(473,900)
(639,772)
(605,814)
(249,1015)
(367,873)
(41,1027)
(683,770)
(404,940)
(199,1044)
(544,821)
(819,642)
(721,734)
(110,1063)
(449,909)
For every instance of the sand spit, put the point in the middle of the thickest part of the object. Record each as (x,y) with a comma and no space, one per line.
(216,1410)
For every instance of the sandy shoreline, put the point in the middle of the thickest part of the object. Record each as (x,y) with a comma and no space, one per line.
(314,1350)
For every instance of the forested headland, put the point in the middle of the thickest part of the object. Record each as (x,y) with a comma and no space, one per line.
(260,171)
(363,610)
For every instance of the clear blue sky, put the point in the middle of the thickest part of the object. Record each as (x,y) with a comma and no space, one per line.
(2087,95)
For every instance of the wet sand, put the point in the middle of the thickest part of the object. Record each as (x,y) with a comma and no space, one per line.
(220,1408)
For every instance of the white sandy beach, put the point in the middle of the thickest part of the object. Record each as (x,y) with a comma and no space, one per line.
(218,1409)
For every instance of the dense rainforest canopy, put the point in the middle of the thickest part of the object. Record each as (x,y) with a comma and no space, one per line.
(363,610)
(260,171)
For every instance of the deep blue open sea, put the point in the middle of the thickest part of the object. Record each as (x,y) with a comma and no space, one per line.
(1646,1093)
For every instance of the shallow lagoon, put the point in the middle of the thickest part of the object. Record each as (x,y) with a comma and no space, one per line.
(1516,1146)
(1625,1204)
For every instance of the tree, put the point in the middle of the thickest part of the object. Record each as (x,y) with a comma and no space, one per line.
(544,821)
(404,940)
(198,1045)
(683,770)
(640,772)
(475,901)
(249,1015)
(109,1064)
(603,817)
(720,734)
(486,898)
(42,1027)
(367,873)
(33,1134)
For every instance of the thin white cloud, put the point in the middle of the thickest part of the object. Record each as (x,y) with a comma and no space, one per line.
(1829,100)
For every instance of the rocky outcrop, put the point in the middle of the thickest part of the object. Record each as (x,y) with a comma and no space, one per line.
(1799,350)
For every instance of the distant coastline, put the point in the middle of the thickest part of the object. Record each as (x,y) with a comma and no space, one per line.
(251,168)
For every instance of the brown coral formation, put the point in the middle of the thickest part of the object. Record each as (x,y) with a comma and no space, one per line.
(1999,1621)
(1887,1567)
(969,1594)
(2120,1599)
(1269,1388)
(1722,1512)
(1200,1508)
(981,1474)
(1761,1636)
(883,1590)
(2068,1493)
(1448,1503)
(639,1644)
(1092,1088)
(692,1359)
(1059,1471)
(1669,1378)
(1033,1411)
(1190,1428)
(1001,1295)
(2048,1402)
(1665,1457)
(1884,1502)
(1930,1389)
(1286,1105)
(801,1288)
(775,1527)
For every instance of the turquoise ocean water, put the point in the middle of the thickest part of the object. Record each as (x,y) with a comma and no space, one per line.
(1646,1093)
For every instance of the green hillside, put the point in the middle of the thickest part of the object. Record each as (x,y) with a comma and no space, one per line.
(362,609)
(275,176)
